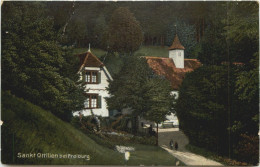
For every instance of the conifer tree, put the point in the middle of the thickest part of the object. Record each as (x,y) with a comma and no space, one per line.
(35,66)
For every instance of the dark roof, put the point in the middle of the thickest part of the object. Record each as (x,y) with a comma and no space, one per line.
(176,44)
(89,60)
(167,68)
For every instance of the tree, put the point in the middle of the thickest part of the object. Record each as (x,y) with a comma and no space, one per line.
(159,100)
(186,34)
(242,30)
(35,66)
(75,33)
(125,34)
(231,37)
(138,88)
(211,114)
(213,47)
(100,32)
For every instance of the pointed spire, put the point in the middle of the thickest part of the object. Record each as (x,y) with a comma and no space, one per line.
(176,44)
(89,47)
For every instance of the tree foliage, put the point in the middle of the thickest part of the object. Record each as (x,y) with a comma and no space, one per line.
(159,99)
(211,114)
(101,32)
(186,34)
(35,66)
(138,88)
(224,99)
(125,34)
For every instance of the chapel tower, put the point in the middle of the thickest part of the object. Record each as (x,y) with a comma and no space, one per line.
(176,52)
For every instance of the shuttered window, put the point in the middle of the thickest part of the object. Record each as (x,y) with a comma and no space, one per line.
(92,77)
(92,101)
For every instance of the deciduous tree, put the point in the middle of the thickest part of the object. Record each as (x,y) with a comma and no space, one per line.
(125,34)
(138,88)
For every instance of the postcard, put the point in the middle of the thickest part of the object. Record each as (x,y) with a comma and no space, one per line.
(144,83)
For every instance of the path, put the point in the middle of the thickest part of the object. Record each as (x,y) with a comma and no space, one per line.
(165,135)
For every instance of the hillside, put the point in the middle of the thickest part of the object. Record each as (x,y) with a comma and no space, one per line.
(29,129)
(151,51)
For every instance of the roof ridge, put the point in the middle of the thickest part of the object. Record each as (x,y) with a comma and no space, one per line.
(157,57)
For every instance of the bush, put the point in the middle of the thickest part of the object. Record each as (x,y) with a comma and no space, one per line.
(247,149)
(144,140)
(86,123)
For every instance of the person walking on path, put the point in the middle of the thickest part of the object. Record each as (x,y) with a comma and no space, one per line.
(171,144)
(176,146)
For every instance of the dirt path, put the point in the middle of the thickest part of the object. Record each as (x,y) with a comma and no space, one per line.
(165,135)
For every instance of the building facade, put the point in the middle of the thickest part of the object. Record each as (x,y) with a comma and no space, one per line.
(95,77)
(173,69)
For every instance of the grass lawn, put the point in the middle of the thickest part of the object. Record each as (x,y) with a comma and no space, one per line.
(151,155)
(143,154)
(28,128)
(154,51)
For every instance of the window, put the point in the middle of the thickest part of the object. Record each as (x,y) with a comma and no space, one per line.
(93,101)
(88,75)
(91,77)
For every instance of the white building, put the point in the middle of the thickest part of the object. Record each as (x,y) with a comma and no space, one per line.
(95,76)
(173,69)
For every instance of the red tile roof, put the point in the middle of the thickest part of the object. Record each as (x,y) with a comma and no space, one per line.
(167,68)
(176,44)
(89,60)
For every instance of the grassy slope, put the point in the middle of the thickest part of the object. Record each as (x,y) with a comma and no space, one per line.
(29,129)
(152,51)
(35,130)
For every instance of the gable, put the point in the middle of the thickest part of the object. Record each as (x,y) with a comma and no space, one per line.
(89,60)
(167,68)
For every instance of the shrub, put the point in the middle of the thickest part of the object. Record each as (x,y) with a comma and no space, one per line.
(144,140)
(247,149)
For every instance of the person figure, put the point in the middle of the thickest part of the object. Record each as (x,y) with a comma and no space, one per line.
(171,144)
(176,146)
